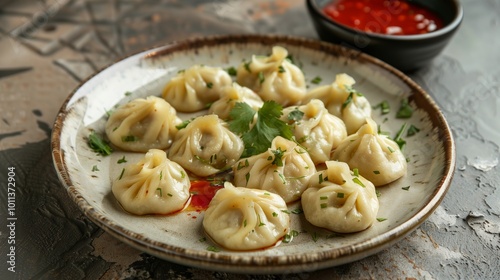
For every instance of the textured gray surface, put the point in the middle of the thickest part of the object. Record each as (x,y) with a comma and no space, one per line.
(66,41)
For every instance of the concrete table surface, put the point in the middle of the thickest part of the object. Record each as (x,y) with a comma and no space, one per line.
(48,47)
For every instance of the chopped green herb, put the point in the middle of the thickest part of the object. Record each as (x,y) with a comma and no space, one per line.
(161,175)
(275,214)
(323,197)
(376,172)
(245,223)
(400,141)
(406,188)
(350,97)
(261,77)
(128,93)
(241,166)
(412,130)
(314,236)
(356,172)
(213,249)
(203,239)
(94,168)
(381,219)
(340,195)
(378,193)
(260,221)
(297,211)
(316,80)
(129,138)
(390,149)
(232,71)
(323,205)
(266,193)
(183,174)
(281,69)
(247,66)
(296,115)
(405,111)
(121,174)
(210,85)
(181,71)
(357,181)
(285,211)
(278,155)
(290,59)
(122,160)
(384,107)
(282,177)
(247,177)
(97,144)
(183,124)
(160,191)
(289,236)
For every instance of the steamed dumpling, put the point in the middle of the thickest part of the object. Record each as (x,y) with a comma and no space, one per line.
(206,146)
(246,219)
(284,169)
(315,129)
(344,102)
(231,95)
(154,185)
(376,156)
(143,124)
(339,200)
(273,77)
(196,87)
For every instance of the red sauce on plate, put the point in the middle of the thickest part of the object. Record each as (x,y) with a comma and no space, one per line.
(390,17)
(202,193)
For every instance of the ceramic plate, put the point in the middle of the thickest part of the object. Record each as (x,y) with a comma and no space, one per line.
(404,204)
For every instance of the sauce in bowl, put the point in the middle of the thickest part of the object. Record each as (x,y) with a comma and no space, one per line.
(389,17)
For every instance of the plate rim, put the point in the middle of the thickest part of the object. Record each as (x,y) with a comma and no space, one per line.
(266,264)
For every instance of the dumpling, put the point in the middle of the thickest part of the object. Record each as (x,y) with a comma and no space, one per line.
(376,156)
(315,129)
(206,146)
(154,185)
(344,102)
(339,200)
(246,219)
(231,95)
(196,87)
(284,169)
(143,124)
(273,77)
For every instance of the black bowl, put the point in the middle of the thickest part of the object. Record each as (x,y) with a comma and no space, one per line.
(405,52)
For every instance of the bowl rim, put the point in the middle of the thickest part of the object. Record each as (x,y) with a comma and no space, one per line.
(449,28)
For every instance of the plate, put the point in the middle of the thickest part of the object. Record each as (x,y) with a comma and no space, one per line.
(179,238)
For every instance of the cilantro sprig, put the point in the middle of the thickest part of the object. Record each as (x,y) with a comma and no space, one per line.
(97,144)
(268,125)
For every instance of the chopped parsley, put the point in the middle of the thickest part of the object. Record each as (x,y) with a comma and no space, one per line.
(278,155)
(297,211)
(350,97)
(128,93)
(412,130)
(405,111)
(97,144)
(295,115)
(94,168)
(213,249)
(357,181)
(340,195)
(183,124)
(121,174)
(316,80)
(289,236)
(376,172)
(232,71)
(210,85)
(122,160)
(261,77)
(381,219)
(267,126)
(400,141)
(406,188)
(281,69)
(384,107)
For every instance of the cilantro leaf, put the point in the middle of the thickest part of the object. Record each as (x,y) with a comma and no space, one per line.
(268,125)
(98,144)
(241,117)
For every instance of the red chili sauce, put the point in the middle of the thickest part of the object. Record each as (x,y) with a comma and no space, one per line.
(390,17)
(202,193)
